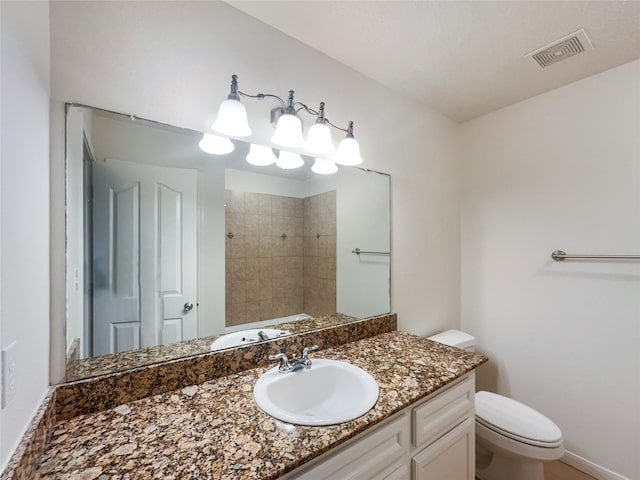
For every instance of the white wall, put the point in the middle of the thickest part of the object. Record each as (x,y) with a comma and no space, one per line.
(172,62)
(24,218)
(560,171)
(245,181)
(362,220)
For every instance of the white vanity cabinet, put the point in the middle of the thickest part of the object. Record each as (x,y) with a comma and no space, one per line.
(433,439)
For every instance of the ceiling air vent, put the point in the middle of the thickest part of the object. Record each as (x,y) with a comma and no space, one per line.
(572,44)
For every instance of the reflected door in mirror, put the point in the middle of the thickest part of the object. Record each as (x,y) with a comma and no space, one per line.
(145,256)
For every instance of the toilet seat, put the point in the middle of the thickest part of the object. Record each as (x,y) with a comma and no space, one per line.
(516,421)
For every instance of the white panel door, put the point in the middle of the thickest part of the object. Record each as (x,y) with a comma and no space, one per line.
(145,256)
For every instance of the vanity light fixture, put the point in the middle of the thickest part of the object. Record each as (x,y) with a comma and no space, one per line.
(288,132)
(260,156)
(232,114)
(349,150)
(324,166)
(215,144)
(319,136)
(289,160)
(232,121)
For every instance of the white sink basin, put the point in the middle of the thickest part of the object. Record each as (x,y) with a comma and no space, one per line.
(329,392)
(244,337)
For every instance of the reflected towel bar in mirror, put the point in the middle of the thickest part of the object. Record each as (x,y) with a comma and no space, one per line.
(357,251)
(559,256)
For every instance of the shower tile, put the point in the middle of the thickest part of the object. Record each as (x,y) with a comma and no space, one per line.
(277,205)
(289,225)
(266,309)
(238,293)
(236,202)
(252,203)
(297,247)
(266,268)
(279,267)
(265,204)
(252,224)
(265,290)
(253,290)
(287,206)
(235,223)
(252,267)
(278,226)
(266,247)
(238,247)
(279,307)
(277,247)
(252,246)
(238,313)
(252,310)
(237,268)
(279,290)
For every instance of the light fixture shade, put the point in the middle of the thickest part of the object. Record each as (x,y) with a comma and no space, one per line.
(319,140)
(288,131)
(289,160)
(216,144)
(324,166)
(348,152)
(260,155)
(232,119)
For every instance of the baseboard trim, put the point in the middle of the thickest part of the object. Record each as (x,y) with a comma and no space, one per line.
(589,467)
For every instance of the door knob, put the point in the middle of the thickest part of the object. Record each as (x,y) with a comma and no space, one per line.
(188,307)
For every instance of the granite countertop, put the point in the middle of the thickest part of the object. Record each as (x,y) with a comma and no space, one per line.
(215,431)
(122,361)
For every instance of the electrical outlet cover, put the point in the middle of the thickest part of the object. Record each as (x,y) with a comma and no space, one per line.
(9,373)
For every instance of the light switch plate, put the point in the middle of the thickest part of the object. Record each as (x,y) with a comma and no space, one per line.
(9,373)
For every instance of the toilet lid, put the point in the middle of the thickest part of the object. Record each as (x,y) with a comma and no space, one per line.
(515,420)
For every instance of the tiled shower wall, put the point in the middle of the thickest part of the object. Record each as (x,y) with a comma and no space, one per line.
(320,254)
(265,256)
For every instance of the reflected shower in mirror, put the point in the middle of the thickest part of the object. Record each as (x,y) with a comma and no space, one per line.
(169,248)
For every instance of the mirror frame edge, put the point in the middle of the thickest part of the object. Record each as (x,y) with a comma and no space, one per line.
(57,246)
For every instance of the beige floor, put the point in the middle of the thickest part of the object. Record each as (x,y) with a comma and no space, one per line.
(562,471)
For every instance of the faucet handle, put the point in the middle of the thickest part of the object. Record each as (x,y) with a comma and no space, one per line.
(284,364)
(279,356)
(305,352)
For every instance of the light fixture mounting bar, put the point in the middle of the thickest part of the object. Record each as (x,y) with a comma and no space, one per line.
(262,96)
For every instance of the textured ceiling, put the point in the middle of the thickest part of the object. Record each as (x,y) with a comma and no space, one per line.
(462,58)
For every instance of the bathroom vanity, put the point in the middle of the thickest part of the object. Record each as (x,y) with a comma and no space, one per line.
(432,439)
(421,426)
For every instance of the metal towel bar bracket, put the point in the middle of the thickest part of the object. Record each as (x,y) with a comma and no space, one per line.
(357,251)
(559,256)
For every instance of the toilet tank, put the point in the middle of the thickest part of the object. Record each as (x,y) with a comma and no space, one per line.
(456,338)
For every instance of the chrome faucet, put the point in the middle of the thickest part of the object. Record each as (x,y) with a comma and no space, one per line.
(287,366)
(262,335)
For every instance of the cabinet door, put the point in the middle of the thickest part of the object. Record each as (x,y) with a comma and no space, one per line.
(380,455)
(452,457)
(443,412)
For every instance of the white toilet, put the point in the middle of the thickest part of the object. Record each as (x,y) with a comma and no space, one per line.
(512,440)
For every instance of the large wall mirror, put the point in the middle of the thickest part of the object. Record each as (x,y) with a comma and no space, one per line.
(173,252)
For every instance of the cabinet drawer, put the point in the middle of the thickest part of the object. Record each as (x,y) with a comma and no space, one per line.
(441,413)
(383,454)
(451,458)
